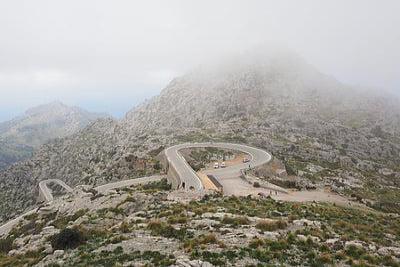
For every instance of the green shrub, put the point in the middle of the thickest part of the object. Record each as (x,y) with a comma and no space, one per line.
(166,230)
(236,221)
(208,239)
(325,258)
(31,217)
(159,185)
(177,219)
(67,238)
(271,225)
(157,165)
(6,245)
(125,227)
(214,258)
(354,252)
(116,239)
(256,242)
(190,244)
(117,210)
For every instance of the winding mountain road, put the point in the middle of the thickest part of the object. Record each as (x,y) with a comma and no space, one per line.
(47,196)
(189,179)
(186,175)
(46,193)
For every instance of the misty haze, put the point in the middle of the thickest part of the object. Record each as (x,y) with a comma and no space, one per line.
(199,133)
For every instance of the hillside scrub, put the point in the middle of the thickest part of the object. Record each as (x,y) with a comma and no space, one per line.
(68,238)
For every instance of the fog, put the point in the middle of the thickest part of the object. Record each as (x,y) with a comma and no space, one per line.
(111,55)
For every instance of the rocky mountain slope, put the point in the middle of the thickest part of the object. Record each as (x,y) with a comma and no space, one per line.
(325,133)
(11,153)
(37,126)
(264,87)
(93,155)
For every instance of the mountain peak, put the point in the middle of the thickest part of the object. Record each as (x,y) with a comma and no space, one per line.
(55,106)
(253,84)
(45,122)
(265,59)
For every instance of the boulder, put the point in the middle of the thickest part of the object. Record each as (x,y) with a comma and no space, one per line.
(387,251)
(354,243)
(58,253)
(305,222)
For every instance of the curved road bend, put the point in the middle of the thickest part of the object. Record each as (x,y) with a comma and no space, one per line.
(189,177)
(48,196)
(7,227)
(46,193)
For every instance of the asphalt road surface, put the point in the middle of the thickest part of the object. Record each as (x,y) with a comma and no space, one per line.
(46,192)
(189,177)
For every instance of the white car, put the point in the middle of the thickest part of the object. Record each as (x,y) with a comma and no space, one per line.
(223,164)
(216,165)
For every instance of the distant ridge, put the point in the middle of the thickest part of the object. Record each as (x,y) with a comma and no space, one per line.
(38,125)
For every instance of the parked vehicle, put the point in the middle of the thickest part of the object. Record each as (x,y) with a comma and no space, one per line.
(216,165)
(223,164)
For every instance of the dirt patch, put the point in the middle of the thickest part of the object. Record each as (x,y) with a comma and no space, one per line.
(322,195)
(238,187)
(207,183)
(238,159)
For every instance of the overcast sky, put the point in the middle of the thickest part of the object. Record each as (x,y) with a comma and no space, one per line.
(111,55)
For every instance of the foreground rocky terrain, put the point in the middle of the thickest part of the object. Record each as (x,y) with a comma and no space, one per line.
(146,226)
(21,135)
